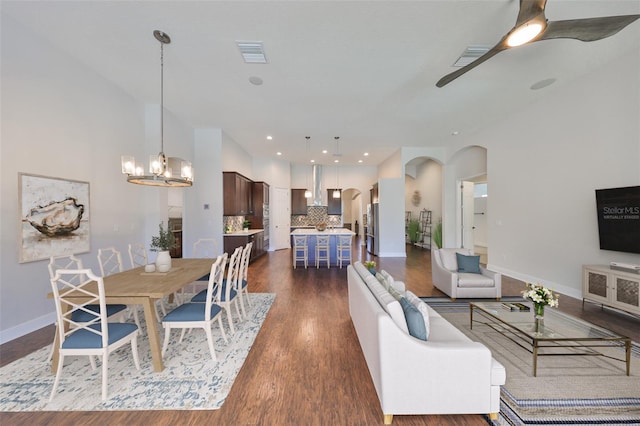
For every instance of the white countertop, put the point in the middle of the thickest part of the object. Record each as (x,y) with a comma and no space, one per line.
(335,231)
(241,233)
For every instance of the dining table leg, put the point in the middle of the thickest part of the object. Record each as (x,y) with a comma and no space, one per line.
(152,331)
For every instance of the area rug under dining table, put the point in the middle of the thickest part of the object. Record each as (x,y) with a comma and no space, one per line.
(568,390)
(191,380)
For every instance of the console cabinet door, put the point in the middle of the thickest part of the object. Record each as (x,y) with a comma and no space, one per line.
(596,285)
(626,291)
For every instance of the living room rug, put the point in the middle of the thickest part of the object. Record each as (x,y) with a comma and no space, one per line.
(567,390)
(191,380)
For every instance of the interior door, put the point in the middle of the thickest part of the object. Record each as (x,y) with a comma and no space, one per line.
(468,210)
(280,218)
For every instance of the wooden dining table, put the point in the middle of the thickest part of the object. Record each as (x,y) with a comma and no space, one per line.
(137,287)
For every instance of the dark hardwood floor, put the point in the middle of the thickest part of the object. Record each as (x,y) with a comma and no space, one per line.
(306,366)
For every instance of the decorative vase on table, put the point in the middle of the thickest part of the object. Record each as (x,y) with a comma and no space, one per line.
(163,261)
(538,309)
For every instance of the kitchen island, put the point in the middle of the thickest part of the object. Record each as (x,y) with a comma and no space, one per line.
(333,242)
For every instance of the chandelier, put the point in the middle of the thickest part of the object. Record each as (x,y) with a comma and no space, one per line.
(163,170)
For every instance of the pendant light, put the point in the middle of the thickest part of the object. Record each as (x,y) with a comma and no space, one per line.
(307,192)
(336,192)
(163,170)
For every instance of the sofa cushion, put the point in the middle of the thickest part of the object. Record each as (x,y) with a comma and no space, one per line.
(415,322)
(422,308)
(470,264)
(466,280)
(442,330)
(387,301)
(448,257)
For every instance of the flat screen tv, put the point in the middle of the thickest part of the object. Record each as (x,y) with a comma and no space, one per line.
(619,218)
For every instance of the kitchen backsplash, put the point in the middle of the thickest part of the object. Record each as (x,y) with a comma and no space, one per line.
(315,215)
(232,223)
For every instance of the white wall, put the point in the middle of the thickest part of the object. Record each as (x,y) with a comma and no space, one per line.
(427,180)
(544,163)
(236,159)
(61,119)
(391,236)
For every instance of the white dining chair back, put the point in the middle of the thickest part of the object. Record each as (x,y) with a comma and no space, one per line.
(323,250)
(228,295)
(92,337)
(110,261)
(242,284)
(138,255)
(300,250)
(198,315)
(343,250)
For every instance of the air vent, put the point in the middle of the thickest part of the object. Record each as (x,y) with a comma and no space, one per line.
(470,54)
(252,52)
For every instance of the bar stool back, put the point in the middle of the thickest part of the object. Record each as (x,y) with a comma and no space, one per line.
(344,249)
(322,250)
(300,250)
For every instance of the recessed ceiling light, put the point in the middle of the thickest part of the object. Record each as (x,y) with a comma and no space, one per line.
(455,133)
(256,81)
(366,154)
(324,151)
(312,161)
(269,138)
(359,161)
(336,161)
(278,153)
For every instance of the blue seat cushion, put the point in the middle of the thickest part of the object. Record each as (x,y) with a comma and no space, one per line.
(85,339)
(201,297)
(244,283)
(82,316)
(190,312)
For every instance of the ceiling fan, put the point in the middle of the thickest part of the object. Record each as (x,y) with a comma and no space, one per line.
(532,25)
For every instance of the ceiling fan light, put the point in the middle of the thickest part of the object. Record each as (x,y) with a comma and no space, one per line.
(524,34)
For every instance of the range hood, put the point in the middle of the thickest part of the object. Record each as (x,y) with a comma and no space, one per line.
(317,185)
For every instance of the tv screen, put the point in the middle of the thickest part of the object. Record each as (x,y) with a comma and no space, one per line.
(619,218)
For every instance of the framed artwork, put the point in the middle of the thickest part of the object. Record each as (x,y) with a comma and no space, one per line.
(54,217)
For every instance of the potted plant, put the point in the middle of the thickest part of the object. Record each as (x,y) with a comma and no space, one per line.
(162,243)
(371,266)
(413,229)
(246,224)
(437,234)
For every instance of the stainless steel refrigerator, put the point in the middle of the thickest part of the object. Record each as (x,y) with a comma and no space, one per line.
(373,228)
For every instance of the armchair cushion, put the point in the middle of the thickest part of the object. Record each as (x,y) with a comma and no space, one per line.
(469,264)
(474,280)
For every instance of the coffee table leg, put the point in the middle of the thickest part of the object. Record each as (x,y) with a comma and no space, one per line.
(470,316)
(535,358)
(627,349)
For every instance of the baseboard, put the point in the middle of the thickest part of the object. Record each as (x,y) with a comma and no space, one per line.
(393,254)
(27,327)
(560,288)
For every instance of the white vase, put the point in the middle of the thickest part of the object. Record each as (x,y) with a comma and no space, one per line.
(163,261)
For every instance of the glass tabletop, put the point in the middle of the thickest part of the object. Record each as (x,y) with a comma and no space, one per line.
(556,325)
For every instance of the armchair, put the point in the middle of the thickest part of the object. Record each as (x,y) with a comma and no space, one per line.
(456,284)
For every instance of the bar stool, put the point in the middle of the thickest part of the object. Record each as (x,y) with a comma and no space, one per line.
(322,250)
(300,250)
(344,249)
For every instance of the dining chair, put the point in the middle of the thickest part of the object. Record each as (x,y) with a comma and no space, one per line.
(242,283)
(138,257)
(199,315)
(115,312)
(228,295)
(344,249)
(95,337)
(300,250)
(202,248)
(110,262)
(322,250)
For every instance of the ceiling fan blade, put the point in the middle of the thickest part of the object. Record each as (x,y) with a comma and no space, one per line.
(457,73)
(588,29)
(530,9)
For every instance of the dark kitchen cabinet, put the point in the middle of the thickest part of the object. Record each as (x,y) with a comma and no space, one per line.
(298,202)
(260,217)
(334,205)
(232,241)
(238,194)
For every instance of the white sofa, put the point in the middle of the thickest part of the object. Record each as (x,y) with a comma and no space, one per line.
(445,276)
(446,374)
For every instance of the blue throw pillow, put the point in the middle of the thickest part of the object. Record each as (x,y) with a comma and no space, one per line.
(415,321)
(469,264)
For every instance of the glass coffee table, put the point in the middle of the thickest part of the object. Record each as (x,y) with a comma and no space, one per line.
(558,334)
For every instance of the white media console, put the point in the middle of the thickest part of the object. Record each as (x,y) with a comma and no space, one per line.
(611,287)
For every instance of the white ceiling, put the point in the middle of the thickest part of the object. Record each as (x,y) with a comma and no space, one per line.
(361,70)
